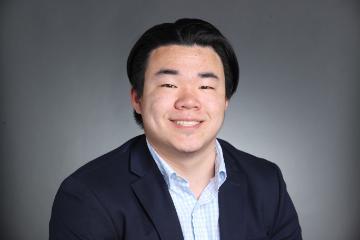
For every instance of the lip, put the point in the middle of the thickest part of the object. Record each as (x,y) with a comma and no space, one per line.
(187,123)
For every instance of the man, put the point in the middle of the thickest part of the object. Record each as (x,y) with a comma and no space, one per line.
(177,181)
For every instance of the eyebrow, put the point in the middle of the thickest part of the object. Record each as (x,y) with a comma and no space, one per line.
(166,71)
(208,75)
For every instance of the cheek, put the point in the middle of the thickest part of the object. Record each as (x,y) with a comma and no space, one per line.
(216,111)
(215,104)
(158,104)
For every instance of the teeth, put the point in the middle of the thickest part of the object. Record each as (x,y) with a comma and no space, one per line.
(187,123)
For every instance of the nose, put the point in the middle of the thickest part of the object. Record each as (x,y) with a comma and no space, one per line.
(187,100)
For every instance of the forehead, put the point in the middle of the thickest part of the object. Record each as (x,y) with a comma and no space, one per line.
(183,55)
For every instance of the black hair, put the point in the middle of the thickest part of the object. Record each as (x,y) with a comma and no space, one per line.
(185,32)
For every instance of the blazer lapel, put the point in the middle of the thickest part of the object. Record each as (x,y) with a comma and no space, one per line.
(153,194)
(232,202)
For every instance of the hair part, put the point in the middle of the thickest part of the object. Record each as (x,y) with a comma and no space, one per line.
(186,32)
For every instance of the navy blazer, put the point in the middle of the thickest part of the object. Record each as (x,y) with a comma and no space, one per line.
(122,195)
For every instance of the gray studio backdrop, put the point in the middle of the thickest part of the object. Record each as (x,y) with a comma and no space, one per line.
(64,98)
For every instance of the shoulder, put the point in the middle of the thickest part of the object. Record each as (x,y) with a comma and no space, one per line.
(104,171)
(88,200)
(249,164)
(263,178)
(95,192)
(265,190)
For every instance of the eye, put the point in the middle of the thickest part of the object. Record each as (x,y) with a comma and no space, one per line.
(168,85)
(206,87)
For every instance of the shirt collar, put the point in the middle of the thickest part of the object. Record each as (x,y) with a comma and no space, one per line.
(168,172)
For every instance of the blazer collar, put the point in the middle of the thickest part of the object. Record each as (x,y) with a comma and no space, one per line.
(152,192)
(232,199)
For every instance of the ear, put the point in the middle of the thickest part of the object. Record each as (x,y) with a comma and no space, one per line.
(226,104)
(135,101)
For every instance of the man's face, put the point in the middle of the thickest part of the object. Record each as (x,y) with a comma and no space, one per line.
(183,101)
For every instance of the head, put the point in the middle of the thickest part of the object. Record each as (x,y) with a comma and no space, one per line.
(183,32)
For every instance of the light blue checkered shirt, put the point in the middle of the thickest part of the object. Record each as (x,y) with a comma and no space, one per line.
(198,217)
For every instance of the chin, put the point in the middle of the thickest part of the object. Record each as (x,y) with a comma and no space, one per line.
(188,149)
(190,146)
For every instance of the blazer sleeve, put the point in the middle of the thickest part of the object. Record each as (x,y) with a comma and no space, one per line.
(286,223)
(78,214)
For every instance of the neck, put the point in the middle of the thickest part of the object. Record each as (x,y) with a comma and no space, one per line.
(196,167)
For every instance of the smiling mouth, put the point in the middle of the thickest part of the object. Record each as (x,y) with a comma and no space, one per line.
(187,123)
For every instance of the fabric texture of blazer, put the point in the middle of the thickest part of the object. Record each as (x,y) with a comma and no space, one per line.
(122,195)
